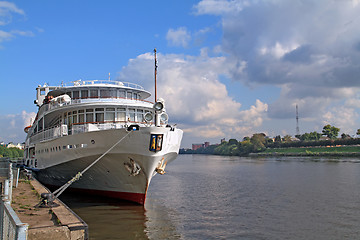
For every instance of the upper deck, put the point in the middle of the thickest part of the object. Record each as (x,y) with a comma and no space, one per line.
(92,90)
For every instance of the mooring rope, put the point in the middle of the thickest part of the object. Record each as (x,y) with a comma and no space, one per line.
(79,174)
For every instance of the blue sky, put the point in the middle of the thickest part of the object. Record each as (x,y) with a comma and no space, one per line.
(227,69)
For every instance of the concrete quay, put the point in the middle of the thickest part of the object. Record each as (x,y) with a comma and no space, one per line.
(45,223)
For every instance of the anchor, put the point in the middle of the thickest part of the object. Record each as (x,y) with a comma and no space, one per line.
(161,167)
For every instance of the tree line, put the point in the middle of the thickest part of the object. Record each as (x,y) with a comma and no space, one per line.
(258,142)
(11,152)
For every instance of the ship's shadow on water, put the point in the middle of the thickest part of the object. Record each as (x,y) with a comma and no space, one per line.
(115,219)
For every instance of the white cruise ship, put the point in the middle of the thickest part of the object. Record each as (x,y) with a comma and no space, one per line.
(76,124)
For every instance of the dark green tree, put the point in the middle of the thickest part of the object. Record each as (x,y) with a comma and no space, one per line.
(330,131)
(278,138)
(258,140)
(233,141)
(358,132)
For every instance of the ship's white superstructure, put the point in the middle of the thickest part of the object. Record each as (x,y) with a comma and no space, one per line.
(78,123)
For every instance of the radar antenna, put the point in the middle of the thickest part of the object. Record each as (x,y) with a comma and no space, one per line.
(297,121)
(155,74)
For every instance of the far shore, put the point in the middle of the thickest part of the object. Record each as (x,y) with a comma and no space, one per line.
(305,154)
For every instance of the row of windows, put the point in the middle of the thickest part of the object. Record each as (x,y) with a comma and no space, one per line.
(59,148)
(103,93)
(90,115)
(109,114)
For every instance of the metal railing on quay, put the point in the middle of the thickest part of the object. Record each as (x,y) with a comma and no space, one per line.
(10,225)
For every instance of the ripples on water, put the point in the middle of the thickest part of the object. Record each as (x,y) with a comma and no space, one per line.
(213,197)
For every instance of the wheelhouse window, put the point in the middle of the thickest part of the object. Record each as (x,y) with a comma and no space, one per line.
(104,93)
(76,94)
(121,94)
(108,93)
(84,93)
(94,93)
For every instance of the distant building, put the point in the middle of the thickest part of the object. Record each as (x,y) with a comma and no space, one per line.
(20,146)
(11,145)
(197,146)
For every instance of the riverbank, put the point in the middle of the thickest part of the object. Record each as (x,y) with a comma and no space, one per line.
(334,151)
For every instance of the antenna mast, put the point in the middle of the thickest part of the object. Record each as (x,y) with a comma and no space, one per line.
(297,121)
(155,74)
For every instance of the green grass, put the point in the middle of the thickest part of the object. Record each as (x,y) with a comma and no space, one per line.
(350,149)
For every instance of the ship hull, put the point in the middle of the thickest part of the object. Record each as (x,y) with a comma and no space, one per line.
(124,172)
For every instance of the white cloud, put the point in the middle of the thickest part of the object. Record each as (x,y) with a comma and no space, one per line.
(220,7)
(12,126)
(343,118)
(309,49)
(6,10)
(195,98)
(178,37)
(6,36)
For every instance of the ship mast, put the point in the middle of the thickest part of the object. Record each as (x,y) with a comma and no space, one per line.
(155,74)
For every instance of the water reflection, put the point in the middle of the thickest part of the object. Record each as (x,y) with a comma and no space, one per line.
(111,219)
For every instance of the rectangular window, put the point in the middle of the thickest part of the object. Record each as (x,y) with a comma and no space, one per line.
(104,93)
(140,115)
(40,124)
(99,117)
(110,116)
(65,118)
(94,93)
(81,117)
(70,120)
(129,95)
(84,94)
(113,93)
(76,94)
(132,114)
(89,117)
(75,119)
(121,114)
(121,94)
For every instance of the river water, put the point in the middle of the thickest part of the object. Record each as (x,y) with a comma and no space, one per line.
(216,197)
